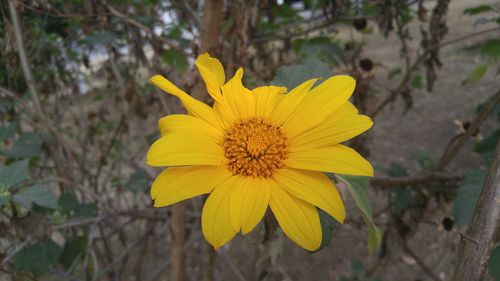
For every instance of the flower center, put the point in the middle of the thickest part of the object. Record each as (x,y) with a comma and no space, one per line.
(255,148)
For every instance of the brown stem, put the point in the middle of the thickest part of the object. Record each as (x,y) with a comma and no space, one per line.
(54,150)
(177,253)
(454,147)
(475,249)
(414,180)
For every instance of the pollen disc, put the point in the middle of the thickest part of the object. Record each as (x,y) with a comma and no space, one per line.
(255,148)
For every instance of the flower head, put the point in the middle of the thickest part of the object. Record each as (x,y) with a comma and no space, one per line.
(258,148)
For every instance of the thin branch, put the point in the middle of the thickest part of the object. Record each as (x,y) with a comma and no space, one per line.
(406,79)
(233,268)
(454,147)
(411,181)
(474,251)
(419,261)
(24,60)
(140,26)
(55,152)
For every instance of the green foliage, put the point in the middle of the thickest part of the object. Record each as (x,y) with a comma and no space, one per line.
(14,173)
(100,38)
(358,187)
(175,59)
(7,132)
(138,182)
(468,194)
(476,74)
(37,258)
(491,48)
(488,144)
(73,249)
(328,225)
(4,194)
(28,145)
(292,76)
(493,268)
(321,48)
(359,273)
(36,194)
(416,82)
(477,10)
(69,204)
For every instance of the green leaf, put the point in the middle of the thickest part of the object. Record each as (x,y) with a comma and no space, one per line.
(491,48)
(488,144)
(68,202)
(357,267)
(321,48)
(7,132)
(468,194)
(73,248)
(493,268)
(87,210)
(36,194)
(100,38)
(291,76)
(395,72)
(328,224)
(14,173)
(4,196)
(476,74)
(175,59)
(37,258)
(138,182)
(358,187)
(416,82)
(477,10)
(28,145)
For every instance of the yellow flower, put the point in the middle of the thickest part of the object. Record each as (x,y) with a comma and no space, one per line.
(258,148)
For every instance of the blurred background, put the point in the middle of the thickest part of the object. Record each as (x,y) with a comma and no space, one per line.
(77,116)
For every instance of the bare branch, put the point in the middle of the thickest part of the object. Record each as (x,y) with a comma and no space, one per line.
(474,251)
(454,147)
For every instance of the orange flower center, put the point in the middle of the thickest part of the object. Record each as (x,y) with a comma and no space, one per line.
(255,148)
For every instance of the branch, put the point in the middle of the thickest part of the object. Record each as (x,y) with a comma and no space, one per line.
(406,79)
(61,166)
(24,61)
(140,26)
(456,144)
(416,180)
(475,249)
(419,261)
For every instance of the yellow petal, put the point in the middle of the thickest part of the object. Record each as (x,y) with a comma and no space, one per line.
(180,183)
(291,101)
(212,72)
(193,106)
(338,159)
(314,188)
(183,123)
(215,222)
(249,200)
(266,99)
(238,99)
(331,132)
(298,219)
(321,102)
(181,149)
